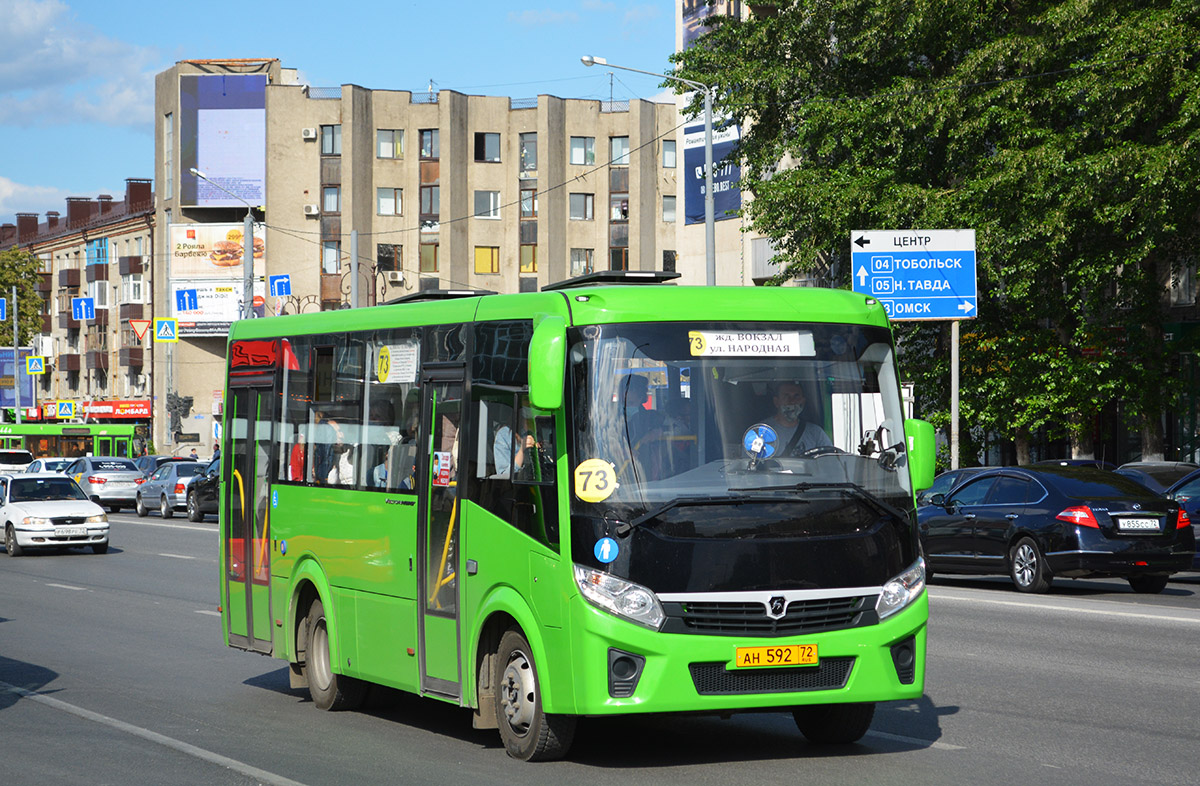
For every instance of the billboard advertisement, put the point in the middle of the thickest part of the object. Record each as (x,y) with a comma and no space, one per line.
(223,133)
(210,251)
(8,398)
(694,12)
(209,308)
(727,199)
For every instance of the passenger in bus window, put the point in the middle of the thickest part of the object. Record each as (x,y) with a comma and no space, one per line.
(296,459)
(341,472)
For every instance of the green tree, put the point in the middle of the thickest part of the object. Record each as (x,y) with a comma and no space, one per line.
(20,269)
(1067,134)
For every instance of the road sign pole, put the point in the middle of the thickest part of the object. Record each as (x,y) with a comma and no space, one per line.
(248,266)
(16,369)
(954,394)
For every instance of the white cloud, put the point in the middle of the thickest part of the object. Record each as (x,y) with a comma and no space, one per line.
(532,18)
(18,197)
(49,75)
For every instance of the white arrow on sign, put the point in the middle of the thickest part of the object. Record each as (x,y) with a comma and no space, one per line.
(862,275)
(966,307)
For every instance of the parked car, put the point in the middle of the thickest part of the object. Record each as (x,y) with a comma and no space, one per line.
(1073,462)
(1186,492)
(12,460)
(203,494)
(946,481)
(166,488)
(147,464)
(49,510)
(1157,476)
(1035,523)
(49,464)
(111,478)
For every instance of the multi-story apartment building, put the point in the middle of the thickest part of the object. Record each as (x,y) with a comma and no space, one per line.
(101,250)
(383,193)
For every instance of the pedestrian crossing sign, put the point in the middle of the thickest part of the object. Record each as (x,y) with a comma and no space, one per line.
(65,409)
(35,364)
(166,330)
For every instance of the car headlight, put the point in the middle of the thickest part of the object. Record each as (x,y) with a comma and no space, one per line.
(902,590)
(620,597)
(36,521)
(101,519)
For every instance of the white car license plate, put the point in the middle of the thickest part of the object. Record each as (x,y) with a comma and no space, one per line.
(120,484)
(1131,524)
(70,532)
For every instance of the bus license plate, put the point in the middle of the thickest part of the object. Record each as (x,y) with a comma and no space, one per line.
(782,655)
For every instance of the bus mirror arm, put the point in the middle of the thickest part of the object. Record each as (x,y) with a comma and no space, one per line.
(547,363)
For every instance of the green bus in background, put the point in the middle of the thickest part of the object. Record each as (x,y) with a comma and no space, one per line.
(69,440)
(612,496)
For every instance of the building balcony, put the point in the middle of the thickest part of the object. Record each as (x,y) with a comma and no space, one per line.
(129,266)
(66,321)
(68,277)
(97,360)
(132,311)
(45,283)
(130,356)
(97,273)
(68,362)
(101,317)
(47,323)
(331,288)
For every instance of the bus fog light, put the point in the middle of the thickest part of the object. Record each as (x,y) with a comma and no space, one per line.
(902,590)
(620,597)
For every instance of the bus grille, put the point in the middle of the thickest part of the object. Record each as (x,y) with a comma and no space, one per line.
(713,679)
(750,619)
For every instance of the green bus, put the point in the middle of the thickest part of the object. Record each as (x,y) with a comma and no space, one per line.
(69,440)
(612,496)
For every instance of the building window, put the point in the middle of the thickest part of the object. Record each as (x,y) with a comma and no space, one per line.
(618,207)
(582,206)
(389,142)
(668,154)
(97,251)
(528,259)
(331,140)
(168,155)
(429,143)
(669,261)
(582,261)
(388,256)
(389,201)
(131,288)
(618,259)
(669,209)
(619,152)
(487,204)
(331,199)
(583,150)
(331,252)
(431,197)
(487,259)
(528,152)
(98,291)
(529,202)
(429,257)
(487,146)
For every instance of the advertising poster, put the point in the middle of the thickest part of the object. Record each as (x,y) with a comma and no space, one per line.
(209,308)
(223,133)
(8,397)
(727,199)
(210,251)
(694,12)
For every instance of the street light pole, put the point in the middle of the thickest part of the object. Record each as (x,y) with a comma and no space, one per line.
(247,247)
(710,234)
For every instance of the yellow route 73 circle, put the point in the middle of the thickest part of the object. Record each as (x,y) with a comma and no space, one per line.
(595,480)
(697,343)
(383,365)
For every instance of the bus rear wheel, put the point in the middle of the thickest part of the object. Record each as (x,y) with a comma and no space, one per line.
(834,724)
(529,734)
(329,690)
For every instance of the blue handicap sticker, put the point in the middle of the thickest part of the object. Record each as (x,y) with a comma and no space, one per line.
(759,441)
(274,498)
(283,547)
(606,550)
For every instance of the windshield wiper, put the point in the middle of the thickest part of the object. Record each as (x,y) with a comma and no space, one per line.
(624,527)
(844,486)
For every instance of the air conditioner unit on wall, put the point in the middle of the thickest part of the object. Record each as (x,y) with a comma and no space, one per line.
(312,210)
(395,277)
(308,133)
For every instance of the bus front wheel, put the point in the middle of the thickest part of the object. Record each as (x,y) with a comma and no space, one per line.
(834,724)
(329,690)
(529,734)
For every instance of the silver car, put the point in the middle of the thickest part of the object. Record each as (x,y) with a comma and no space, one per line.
(113,479)
(166,487)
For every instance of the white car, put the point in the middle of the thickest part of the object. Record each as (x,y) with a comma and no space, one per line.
(49,510)
(14,460)
(49,464)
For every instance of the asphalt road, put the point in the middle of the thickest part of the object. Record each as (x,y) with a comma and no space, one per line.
(112,670)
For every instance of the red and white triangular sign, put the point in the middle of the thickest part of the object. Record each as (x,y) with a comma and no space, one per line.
(140,326)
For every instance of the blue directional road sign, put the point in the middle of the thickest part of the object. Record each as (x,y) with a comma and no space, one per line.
(186,300)
(83,308)
(281,286)
(3,308)
(917,273)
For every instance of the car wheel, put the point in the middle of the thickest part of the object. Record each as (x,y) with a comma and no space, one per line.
(529,734)
(1027,567)
(329,691)
(834,724)
(99,548)
(1148,585)
(193,509)
(140,507)
(10,542)
(165,508)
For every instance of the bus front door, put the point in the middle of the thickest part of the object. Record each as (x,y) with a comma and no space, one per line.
(103,447)
(244,519)
(437,544)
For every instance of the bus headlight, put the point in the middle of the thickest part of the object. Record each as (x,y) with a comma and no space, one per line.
(620,597)
(902,590)
(101,519)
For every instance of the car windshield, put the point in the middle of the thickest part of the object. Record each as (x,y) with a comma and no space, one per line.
(712,411)
(44,490)
(54,465)
(188,470)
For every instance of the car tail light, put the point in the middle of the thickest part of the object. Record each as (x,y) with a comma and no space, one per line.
(1081,515)
(178,488)
(140,481)
(96,479)
(1184,521)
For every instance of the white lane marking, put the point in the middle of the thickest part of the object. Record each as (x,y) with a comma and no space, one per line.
(942,746)
(69,587)
(176,556)
(161,739)
(208,612)
(168,526)
(1071,609)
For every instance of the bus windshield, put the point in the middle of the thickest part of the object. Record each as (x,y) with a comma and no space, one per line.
(713,411)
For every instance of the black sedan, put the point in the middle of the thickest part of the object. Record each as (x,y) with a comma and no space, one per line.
(1186,492)
(1038,523)
(1157,476)
(203,493)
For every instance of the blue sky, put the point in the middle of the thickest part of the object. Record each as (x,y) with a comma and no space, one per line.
(77,76)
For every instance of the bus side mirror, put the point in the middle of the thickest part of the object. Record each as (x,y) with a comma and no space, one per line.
(918,435)
(547,363)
